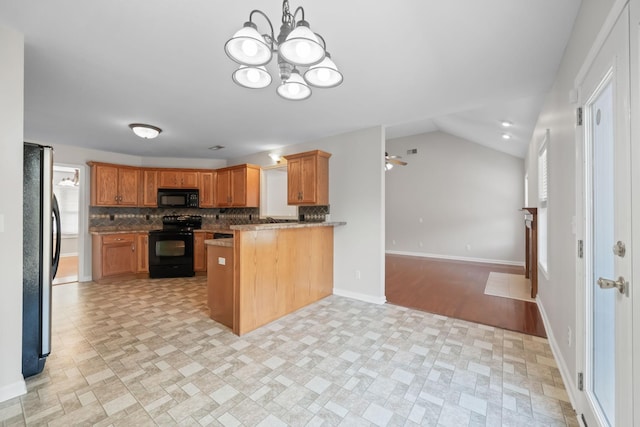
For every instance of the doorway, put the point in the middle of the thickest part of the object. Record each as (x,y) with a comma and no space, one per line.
(66,187)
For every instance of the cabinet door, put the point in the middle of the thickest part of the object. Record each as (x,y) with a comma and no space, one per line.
(128,186)
(294,185)
(142,252)
(150,188)
(106,185)
(239,187)
(199,252)
(308,179)
(118,255)
(169,179)
(222,189)
(206,189)
(189,179)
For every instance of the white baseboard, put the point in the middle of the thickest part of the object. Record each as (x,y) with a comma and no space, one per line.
(10,391)
(457,258)
(359,296)
(567,376)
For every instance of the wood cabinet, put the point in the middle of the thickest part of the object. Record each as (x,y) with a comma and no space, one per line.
(149,190)
(238,186)
(114,255)
(177,178)
(220,284)
(199,250)
(206,183)
(142,252)
(308,178)
(114,185)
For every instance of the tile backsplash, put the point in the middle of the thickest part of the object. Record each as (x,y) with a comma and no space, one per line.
(152,217)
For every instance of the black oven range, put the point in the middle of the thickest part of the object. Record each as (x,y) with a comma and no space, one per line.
(171,249)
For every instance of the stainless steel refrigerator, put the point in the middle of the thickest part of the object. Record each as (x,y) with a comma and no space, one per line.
(41,253)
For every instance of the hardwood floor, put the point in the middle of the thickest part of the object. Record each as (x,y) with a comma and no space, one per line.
(456,289)
(67,270)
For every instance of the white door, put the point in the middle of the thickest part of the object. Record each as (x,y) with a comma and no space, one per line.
(605,269)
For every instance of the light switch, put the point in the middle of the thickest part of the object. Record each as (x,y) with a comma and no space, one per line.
(222,261)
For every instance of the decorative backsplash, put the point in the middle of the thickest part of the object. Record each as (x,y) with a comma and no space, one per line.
(152,217)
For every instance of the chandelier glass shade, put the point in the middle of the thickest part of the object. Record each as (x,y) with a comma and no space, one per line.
(296,46)
(252,77)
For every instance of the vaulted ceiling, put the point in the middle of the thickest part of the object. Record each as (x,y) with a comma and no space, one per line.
(459,66)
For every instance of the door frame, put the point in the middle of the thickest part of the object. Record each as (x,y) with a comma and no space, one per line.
(84,246)
(580,159)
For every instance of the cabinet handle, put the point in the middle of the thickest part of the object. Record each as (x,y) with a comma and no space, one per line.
(133,248)
(119,239)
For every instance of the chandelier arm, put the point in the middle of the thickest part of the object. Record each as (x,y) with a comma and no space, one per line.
(298,9)
(270,36)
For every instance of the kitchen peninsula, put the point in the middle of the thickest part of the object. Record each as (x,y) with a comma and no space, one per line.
(267,271)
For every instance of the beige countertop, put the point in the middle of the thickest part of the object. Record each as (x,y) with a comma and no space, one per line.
(283,225)
(223,229)
(219,242)
(146,229)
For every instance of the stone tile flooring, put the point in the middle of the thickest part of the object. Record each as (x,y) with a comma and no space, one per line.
(145,352)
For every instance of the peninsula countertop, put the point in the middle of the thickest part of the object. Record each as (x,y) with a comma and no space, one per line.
(283,225)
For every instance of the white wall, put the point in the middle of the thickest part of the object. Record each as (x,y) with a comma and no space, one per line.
(11,153)
(356,195)
(557,292)
(455,199)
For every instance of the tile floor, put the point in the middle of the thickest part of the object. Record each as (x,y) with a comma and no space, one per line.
(506,285)
(145,352)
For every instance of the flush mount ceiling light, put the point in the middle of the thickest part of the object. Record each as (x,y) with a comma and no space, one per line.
(506,123)
(506,136)
(296,46)
(145,131)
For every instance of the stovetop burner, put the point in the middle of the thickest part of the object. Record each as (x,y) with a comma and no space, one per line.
(182,222)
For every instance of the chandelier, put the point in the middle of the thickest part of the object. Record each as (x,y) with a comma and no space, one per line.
(296,46)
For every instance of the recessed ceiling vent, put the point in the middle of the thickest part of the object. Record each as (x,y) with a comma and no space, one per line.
(412,151)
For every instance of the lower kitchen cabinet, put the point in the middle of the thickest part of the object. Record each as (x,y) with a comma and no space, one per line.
(142,250)
(114,255)
(220,284)
(199,250)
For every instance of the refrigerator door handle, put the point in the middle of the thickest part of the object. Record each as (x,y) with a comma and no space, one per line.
(56,253)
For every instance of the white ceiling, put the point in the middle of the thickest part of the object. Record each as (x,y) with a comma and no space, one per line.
(459,66)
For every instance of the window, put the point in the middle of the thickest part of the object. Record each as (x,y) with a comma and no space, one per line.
(543,201)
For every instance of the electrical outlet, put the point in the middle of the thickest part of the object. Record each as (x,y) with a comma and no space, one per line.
(393,242)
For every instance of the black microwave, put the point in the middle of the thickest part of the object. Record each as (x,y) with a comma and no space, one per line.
(177,198)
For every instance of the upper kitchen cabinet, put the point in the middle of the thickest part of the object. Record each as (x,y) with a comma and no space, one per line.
(206,184)
(114,185)
(149,190)
(176,178)
(308,178)
(238,186)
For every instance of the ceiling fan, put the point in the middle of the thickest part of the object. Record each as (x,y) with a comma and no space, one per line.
(390,161)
